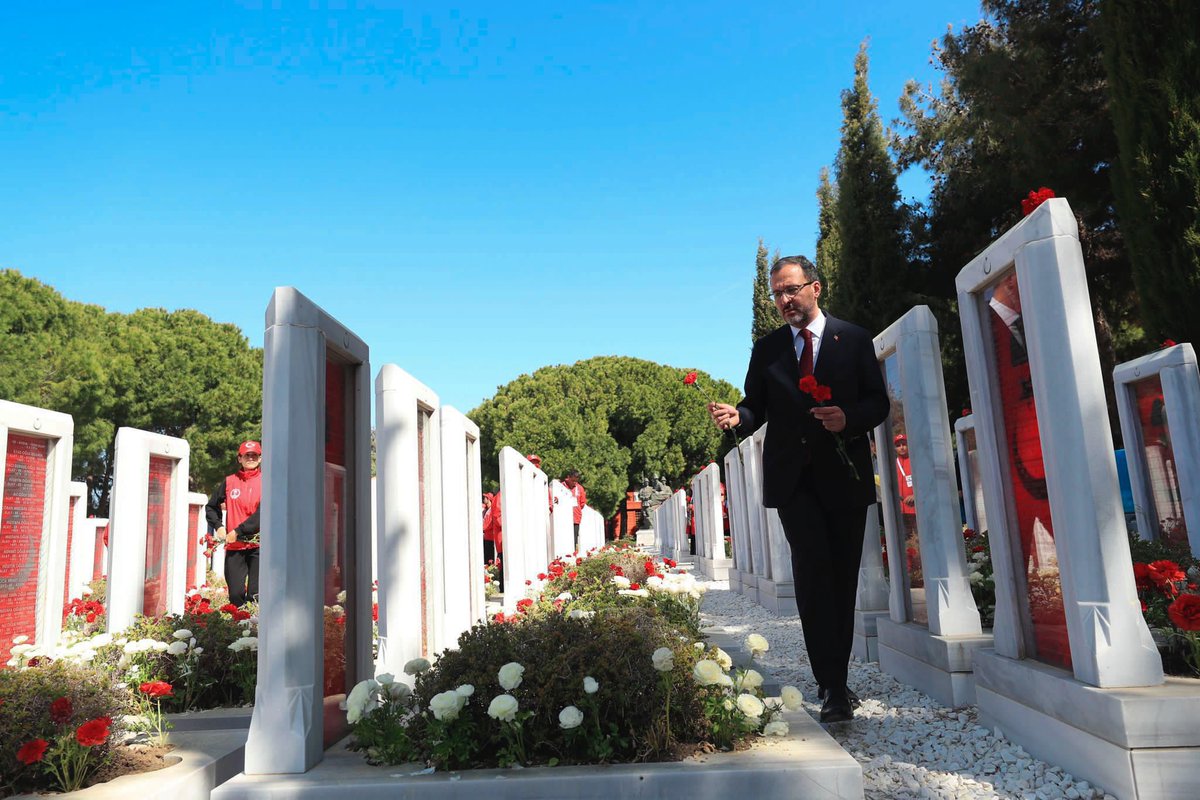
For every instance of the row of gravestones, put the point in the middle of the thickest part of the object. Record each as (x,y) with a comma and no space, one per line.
(149,549)
(1070,669)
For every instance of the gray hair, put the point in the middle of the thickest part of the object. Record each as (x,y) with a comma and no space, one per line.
(810,269)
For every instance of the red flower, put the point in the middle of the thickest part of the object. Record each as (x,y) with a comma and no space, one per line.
(978,548)
(499,617)
(670,562)
(649,567)
(1165,574)
(229,608)
(32,752)
(689,379)
(572,574)
(635,586)
(558,604)
(542,576)
(1141,575)
(61,710)
(808,383)
(92,733)
(1035,199)
(966,412)
(822,394)
(968,533)
(528,582)
(1168,343)
(1185,612)
(524,604)
(375,612)
(156,689)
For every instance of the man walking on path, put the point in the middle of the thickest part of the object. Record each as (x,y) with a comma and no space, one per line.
(816,461)
(241,493)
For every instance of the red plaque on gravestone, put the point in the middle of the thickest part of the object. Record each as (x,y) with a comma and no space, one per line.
(98,565)
(21,529)
(74,500)
(1021,444)
(158,534)
(194,577)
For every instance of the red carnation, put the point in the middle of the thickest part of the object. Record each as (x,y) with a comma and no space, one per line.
(1035,199)
(635,586)
(1168,343)
(94,732)
(32,752)
(524,604)
(822,394)
(572,574)
(61,710)
(1185,612)
(157,689)
(498,617)
(808,383)
(689,379)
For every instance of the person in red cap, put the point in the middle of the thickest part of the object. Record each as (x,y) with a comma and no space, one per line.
(904,483)
(240,493)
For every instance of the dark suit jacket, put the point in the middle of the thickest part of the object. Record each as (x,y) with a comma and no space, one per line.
(797,446)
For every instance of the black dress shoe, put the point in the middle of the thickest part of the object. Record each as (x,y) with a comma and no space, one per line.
(822,693)
(837,707)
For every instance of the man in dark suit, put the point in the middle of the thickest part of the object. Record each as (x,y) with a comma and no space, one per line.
(816,461)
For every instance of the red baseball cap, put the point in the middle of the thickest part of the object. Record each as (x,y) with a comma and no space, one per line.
(250,447)
(534,458)
(900,437)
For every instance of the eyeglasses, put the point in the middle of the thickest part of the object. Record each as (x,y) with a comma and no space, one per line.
(788,292)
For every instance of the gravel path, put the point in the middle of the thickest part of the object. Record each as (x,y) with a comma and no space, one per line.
(909,745)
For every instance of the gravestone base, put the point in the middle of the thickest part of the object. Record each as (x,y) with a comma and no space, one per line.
(777,596)
(940,666)
(716,569)
(646,538)
(750,586)
(866,639)
(735,580)
(1141,742)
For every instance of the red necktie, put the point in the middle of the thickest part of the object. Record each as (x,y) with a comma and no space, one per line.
(806,356)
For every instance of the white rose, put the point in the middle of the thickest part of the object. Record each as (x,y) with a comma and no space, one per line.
(22,639)
(723,659)
(465,691)
(198,650)
(654,582)
(590,685)
(565,596)
(446,705)
(183,633)
(663,659)
(793,700)
(976,577)
(570,717)
(416,666)
(359,700)
(576,613)
(177,648)
(341,597)
(750,705)
(752,679)
(776,727)
(161,647)
(699,645)
(634,592)
(101,640)
(385,678)
(503,707)
(510,675)
(707,672)
(728,704)
(756,644)
(621,581)
(398,691)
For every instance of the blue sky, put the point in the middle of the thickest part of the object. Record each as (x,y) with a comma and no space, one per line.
(477,190)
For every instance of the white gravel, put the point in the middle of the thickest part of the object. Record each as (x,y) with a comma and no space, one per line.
(909,745)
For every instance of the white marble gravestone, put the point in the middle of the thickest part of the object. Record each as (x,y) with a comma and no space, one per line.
(462,525)
(562,520)
(735,501)
(591,530)
(677,512)
(197,529)
(79,545)
(408,519)
(315,529)
(35,467)
(872,597)
(524,522)
(1057,529)
(147,541)
(710,524)
(662,530)
(933,626)
(1158,399)
(771,555)
(968,473)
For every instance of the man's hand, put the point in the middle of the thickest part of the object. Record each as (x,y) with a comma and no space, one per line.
(231,537)
(832,417)
(724,415)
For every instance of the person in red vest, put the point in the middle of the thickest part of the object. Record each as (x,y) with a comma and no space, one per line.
(493,540)
(579,495)
(241,493)
(904,482)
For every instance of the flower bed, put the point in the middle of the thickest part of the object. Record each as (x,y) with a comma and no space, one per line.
(599,665)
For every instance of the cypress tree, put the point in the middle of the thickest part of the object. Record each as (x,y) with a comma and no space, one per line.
(1152,60)
(766,316)
(872,268)
(829,242)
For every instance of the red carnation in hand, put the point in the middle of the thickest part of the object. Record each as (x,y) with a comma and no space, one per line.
(94,732)
(157,689)
(808,383)
(1035,199)
(822,394)
(1185,612)
(689,379)
(32,752)
(61,710)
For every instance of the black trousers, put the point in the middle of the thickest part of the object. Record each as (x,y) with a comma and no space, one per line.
(241,573)
(826,539)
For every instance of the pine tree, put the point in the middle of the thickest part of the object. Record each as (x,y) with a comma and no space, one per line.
(1153,67)
(872,268)
(829,242)
(766,316)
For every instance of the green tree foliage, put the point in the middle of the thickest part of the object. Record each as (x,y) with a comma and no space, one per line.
(613,418)
(1152,61)
(177,373)
(766,315)
(829,242)
(874,279)
(1023,104)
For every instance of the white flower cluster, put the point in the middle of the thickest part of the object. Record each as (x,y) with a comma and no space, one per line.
(244,643)
(680,583)
(367,694)
(446,705)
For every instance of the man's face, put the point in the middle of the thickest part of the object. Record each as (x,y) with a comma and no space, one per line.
(250,460)
(801,308)
(902,449)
